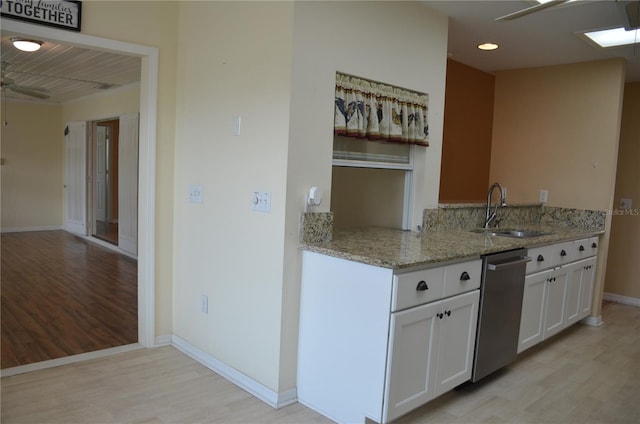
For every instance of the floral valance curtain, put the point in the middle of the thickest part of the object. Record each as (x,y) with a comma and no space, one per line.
(375,111)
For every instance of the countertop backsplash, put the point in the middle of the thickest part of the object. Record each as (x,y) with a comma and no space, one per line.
(316,227)
(471,216)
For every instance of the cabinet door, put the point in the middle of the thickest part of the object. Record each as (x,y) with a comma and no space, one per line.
(586,284)
(457,321)
(533,305)
(572,304)
(411,367)
(555,299)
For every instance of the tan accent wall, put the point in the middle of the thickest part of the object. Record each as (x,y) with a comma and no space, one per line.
(33,166)
(466,140)
(557,128)
(624,246)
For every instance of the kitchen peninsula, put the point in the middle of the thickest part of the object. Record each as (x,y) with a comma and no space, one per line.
(388,317)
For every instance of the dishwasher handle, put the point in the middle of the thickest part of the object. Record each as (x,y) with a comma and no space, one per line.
(496,267)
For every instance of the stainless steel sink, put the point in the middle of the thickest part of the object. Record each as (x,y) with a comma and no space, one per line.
(512,233)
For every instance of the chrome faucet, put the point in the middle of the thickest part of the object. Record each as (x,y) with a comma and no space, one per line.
(491,216)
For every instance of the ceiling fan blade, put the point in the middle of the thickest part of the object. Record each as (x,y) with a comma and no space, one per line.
(39,94)
(530,10)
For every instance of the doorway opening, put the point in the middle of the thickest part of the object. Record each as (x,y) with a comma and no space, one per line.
(105,181)
(146,154)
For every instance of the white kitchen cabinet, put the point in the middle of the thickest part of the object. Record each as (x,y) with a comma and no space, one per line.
(533,309)
(456,341)
(586,285)
(376,344)
(430,353)
(560,294)
(555,299)
(412,359)
(572,302)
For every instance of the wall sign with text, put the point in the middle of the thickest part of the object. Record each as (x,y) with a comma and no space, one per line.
(65,14)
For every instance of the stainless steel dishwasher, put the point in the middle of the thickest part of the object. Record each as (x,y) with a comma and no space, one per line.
(501,293)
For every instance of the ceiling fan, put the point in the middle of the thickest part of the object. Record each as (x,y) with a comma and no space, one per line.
(9,84)
(632,8)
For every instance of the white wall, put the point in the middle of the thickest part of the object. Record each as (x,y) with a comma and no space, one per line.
(234,59)
(150,23)
(108,104)
(400,43)
(248,263)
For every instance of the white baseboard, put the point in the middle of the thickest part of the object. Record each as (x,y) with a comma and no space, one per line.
(633,301)
(592,321)
(262,392)
(161,341)
(26,229)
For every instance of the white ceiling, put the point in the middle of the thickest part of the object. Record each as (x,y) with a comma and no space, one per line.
(547,37)
(544,38)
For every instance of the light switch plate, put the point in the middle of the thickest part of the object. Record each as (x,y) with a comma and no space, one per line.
(195,193)
(261,201)
(625,203)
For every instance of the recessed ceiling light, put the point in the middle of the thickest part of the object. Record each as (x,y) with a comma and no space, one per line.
(614,37)
(25,44)
(487,46)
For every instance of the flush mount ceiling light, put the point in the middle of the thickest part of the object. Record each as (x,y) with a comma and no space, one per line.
(25,44)
(614,37)
(487,46)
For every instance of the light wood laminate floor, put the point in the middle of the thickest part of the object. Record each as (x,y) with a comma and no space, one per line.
(584,375)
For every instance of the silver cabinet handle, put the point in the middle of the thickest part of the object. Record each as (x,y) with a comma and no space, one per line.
(496,267)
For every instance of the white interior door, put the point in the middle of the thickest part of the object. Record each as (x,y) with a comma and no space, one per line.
(100,189)
(76,178)
(128,184)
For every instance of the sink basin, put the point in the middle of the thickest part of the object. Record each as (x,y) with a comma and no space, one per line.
(512,233)
(517,233)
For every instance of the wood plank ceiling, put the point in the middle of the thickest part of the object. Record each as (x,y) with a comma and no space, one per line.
(64,72)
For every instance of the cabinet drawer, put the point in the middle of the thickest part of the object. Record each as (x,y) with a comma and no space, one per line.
(580,248)
(540,259)
(462,277)
(562,253)
(417,287)
(550,256)
(584,248)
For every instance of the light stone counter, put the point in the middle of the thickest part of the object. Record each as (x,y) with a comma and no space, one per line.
(397,249)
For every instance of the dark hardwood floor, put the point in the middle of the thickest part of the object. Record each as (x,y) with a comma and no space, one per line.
(62,295)
(107,231)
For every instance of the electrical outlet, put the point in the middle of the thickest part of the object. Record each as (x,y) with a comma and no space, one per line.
(544,195)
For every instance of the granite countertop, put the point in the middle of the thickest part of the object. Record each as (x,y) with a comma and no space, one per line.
(398,249)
